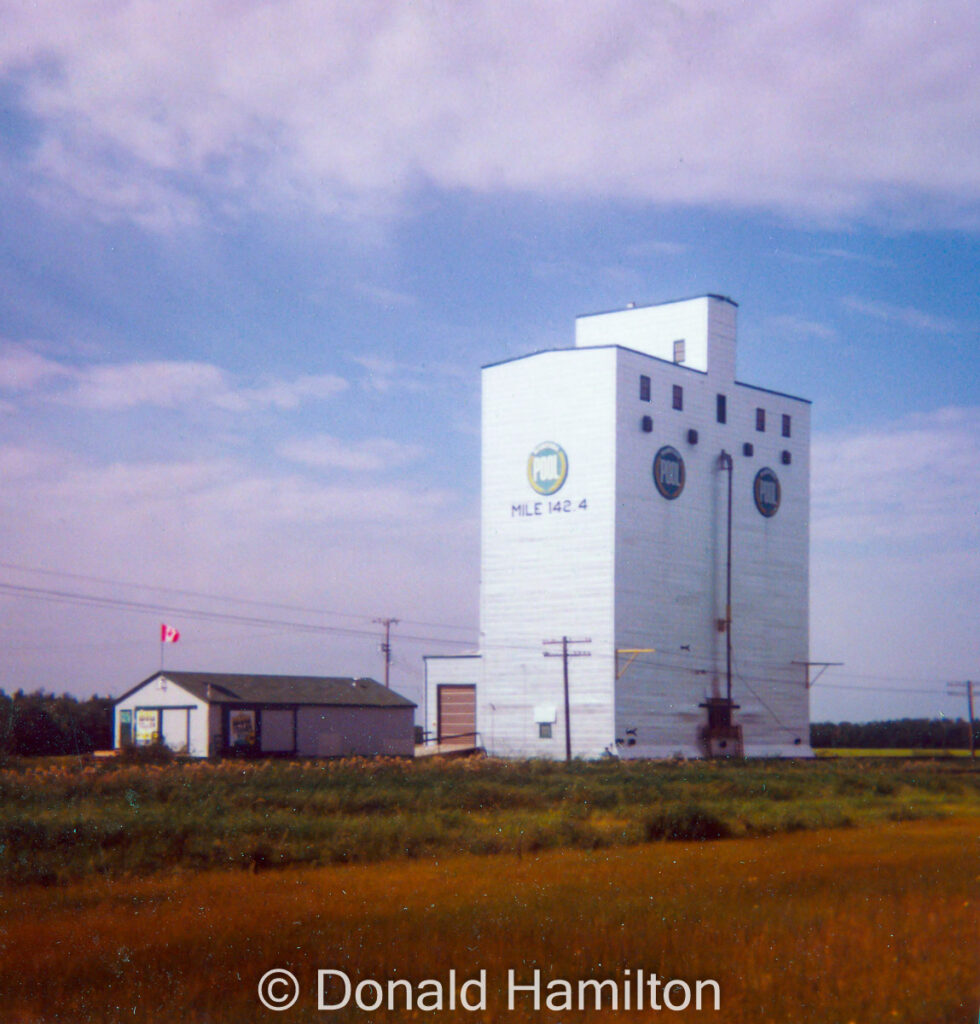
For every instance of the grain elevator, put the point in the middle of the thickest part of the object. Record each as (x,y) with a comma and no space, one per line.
(644,551)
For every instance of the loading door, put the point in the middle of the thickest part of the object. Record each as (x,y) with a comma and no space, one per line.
(176,728)
(457,715)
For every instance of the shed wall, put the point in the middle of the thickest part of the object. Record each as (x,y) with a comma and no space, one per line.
(355,732)
(175,703)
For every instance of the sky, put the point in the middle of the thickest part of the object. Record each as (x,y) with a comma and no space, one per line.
(253,256)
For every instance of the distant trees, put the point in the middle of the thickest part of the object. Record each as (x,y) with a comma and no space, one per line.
(43,723)
(911,733)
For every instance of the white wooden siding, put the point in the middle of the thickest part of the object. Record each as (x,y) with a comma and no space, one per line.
(550,574)
(671,568)
(635,570)
(163,693)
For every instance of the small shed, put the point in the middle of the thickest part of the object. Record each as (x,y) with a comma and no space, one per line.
(209,713)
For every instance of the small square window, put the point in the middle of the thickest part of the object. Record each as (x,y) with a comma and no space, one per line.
(678,399)
(787,426)
(760,419)
(722,409)
(644,388)
(679,351)
(544,730)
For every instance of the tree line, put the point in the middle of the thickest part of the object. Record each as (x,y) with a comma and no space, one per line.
(39,723)
(911,733)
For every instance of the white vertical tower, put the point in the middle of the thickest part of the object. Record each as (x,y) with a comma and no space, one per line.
(604,517)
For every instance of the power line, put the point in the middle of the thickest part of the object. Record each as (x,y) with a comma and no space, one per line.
(218,597)
(877,689)
(97,601)
(772,713)
(698,665)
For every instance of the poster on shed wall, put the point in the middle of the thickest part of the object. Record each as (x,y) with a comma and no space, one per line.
(147,726)
(241,726)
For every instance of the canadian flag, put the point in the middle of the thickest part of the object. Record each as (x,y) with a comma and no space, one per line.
(168,635)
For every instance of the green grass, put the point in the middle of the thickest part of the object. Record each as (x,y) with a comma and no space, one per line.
(65,821)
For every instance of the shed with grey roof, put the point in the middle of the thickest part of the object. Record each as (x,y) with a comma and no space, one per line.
(210,713)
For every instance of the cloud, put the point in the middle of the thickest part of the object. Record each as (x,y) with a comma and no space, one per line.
(282,394)
(906,316)
(799,327)
(27,462)
(895,564)
(143,111)
(388,297)
(125,386)
(23,369)
(372,455)
(219,495)
(657,248)
(856,257)
(913,482)
(158,383)
(220,526)
(84,181)
(385,375)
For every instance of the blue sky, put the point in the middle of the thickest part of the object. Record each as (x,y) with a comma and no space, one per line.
(252,257)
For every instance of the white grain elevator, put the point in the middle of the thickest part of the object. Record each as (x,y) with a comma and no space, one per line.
(637,496)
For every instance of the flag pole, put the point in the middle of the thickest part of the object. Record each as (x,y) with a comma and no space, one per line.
(168,635)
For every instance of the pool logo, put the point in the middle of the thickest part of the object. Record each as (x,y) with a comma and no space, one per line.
(668,472)
(767,492)
(547,467)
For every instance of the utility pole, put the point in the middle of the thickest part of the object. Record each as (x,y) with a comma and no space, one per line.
(565,655)
(967,688)
(386,643)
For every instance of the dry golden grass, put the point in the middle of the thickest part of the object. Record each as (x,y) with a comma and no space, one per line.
(903,752)
(875,924)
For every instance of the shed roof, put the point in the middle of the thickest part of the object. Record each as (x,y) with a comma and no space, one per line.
(227,688)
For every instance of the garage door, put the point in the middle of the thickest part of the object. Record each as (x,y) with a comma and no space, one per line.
(457,715)
(278,731)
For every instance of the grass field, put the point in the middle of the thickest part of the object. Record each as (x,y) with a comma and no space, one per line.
(903,752)
(867,925)
(62,822)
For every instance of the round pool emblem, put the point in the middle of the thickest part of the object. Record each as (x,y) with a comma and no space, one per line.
(547,467)
(767,492)
(668,472)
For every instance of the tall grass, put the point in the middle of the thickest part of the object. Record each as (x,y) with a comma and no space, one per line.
(868,925)
(70,820)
